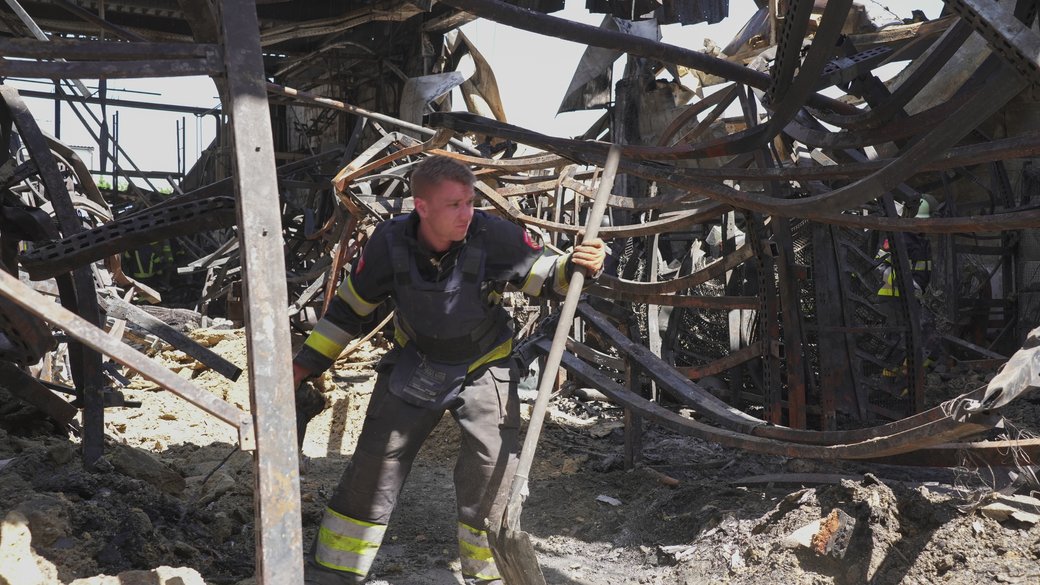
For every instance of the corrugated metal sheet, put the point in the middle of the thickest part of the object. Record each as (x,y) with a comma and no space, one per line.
(693,11)
(671,11)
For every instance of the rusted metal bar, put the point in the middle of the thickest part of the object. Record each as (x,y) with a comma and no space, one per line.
(279,534)
(838,386)
(685,301)
(597,357)
(345,107)
(344,255)
(675,221)
(589,35)
(734,359)
(975,348)
(77,287)
(157,223)
(790,307)
(972,455)
(715,269)
(120,309)
(80,329)
(29,389)
(76,50)
(107,70)
(928,434)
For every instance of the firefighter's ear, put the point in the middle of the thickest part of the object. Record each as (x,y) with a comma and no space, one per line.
(420,206)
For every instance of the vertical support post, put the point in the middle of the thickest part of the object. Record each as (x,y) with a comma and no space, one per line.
(792,319)
(905,282)
(633,450)
(837,382)
(77,287)
(769,320)
(279,534)
(57,108)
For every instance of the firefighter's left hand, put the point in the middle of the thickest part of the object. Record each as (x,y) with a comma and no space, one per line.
(590,255)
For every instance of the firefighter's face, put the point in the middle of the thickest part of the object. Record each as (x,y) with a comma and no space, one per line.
(445,210)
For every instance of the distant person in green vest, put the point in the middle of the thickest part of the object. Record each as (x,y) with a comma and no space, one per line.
(152,263)
(919,252)
(918,249)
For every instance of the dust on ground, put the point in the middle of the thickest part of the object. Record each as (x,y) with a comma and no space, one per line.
(173,499)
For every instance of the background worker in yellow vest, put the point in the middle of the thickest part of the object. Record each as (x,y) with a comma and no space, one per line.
(151,263)
(919,251)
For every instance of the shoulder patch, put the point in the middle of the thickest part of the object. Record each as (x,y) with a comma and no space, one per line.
(360,264)
(533,242)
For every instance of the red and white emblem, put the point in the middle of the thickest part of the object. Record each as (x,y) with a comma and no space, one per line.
(531,242)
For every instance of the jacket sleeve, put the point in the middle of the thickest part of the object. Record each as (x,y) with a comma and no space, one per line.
(351,311)
(521,261)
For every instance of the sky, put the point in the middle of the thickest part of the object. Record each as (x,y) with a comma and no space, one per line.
(533,72)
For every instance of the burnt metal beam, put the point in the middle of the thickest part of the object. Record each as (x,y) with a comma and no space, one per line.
(76,287)
(120,103)
(96,338)
(22,385)
(580,33)
(279,534)
(120,309)
(155,223)
(895,443)
(107,70)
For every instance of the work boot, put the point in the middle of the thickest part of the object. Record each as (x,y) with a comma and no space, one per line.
(315,574)
(309,404)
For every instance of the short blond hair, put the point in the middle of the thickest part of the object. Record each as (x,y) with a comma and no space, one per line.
(435,169)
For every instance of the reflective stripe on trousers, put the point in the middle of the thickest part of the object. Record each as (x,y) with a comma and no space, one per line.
(347,544)
(475,554)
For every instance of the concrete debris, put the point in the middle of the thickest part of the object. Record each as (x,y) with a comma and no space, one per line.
(678,553)
(1017,507)
(160,576)
(834,534)
(828,536)
(802,538)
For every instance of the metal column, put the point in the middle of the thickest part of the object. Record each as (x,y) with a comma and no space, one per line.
(279,534)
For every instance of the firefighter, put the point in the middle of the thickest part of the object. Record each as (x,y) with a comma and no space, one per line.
(919,252)
(918,249)
(444,266)
(150,262)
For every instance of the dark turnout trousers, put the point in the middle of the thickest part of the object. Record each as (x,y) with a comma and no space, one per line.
(488,414)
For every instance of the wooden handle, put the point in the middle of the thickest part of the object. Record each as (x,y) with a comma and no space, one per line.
(563,328)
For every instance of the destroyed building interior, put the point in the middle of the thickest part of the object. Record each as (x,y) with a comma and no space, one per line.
(766,288)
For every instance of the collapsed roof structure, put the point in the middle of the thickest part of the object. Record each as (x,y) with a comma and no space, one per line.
(757,185)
